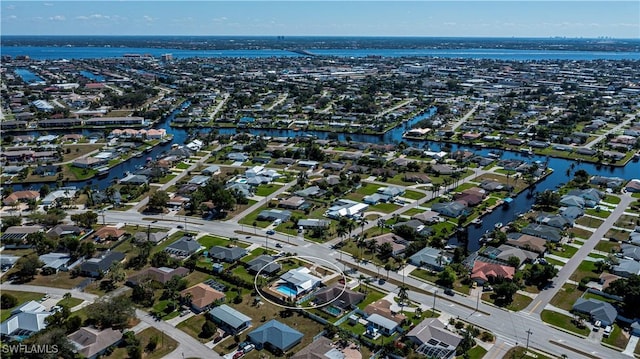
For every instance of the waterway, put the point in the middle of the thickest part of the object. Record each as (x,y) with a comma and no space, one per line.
(521,203)
(53,53)
(91,76)
(28,76)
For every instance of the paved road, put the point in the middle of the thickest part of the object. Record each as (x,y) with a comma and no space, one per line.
(572,264)
(617,128)
(49,290)
(509,327)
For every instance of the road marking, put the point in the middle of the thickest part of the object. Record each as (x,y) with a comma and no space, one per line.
(535,306)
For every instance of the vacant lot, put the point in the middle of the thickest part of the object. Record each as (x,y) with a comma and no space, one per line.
(566,296)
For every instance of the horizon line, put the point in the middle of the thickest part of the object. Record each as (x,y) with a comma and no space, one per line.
(560,37)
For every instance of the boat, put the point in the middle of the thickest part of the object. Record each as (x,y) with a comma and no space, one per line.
(137,154)
(477,221)
(147,150)
(103,171)
(498,225)
(167,139)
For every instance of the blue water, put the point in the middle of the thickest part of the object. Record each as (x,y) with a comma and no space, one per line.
(91,76)
(286,291)
(49,53)
(333,310)
(28,76)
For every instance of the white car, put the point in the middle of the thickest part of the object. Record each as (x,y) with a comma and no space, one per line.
(607,331)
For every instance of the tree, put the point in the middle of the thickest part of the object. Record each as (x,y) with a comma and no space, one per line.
(52,338)
(513,261)
(8,301)
(540,274)
(629,290)
(385,250)
(10,221)
(403,294)
(504,292)
(111,312)
(158,200)
(447,277)
(85,219)
(208,329)
(548,199)
(162,259)
(28,267)
(143,294)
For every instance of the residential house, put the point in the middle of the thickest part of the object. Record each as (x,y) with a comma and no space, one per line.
(88,162)
(202,297)
(428,217)
(432,258)
(227,254)
(553,220)
(321,348)
(345,208)
(313,223)
(485,272)
(242,188)
(199,180)
(339,296)
(543,231)
(108,233)
(383,308)
(597,310)
(21,197)
(630,251)
(450,209)
(183,247)
(504,252)
(229,319)
(312,191)
(264,264)
(153,237)
(609,182)
(572,201)
(91,343)
(98,267)
(293,202)
(57,261)
(211,170)
(383,325)
(161,275)
(135,180)
(415,225)
(308,164)
(273,214)
(633,186)
(46,170)
(275,336)
(300,280)
(237,156)
(527,242)
(398,244)
(626,268)
(18,234)
(62,230)
(571,213)
(25,320)
(417,177)
(434,340)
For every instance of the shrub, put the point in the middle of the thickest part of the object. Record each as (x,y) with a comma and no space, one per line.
(8,301)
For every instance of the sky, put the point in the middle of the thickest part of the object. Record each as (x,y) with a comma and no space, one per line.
(452,18)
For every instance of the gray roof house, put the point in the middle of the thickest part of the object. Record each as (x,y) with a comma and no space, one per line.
(339,296)
(135,180)
(211,170)
(25,320)
(572,200)
(263,263)
(383,325)
(183,247)
(626,268)
(597,310)
(429,257)
(543,231)
(571,213)
(631,251)
(237,156)
(227,254)
(312,191)
(553,220)
(321,348)
(96,267)
(450,209)
(313,223)
(434,340)
(57,261)
(155,237)
(276,336)
(273,214)
(199,180)
(229,319)
(505,251)
(91,343)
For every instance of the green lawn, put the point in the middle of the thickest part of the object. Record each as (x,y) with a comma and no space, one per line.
(519,301)
(608,246)
(368,189)
(611,199)
(585,269)
(166,344)
(554,262)
(565,251)
(412,194)
(566,296)
(70,302)
(412,212)
(589,221)
(182,166)
(22,298)
(267,189)
(253,217)
(383,207)
(476,352)
(597,213)
(562,321)
(167,178)
(210,241)
(372,296)
(193,327)
(580,233)
(616,338)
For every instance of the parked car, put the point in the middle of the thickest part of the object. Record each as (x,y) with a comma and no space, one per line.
(597,325)
(238,354)
(449,291)
(271,231)
(249,348)
(607,331)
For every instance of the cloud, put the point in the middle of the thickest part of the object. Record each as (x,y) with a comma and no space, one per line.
(449,23)
(12,17)
(57,18)
(10,7)
(93,17)
(47,4)
(220,19)
(148,18)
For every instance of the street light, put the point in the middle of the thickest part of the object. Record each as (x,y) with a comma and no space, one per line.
(529,332)
(435,291)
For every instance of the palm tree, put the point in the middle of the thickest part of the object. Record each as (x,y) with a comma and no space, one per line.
(403,295)
(362,221)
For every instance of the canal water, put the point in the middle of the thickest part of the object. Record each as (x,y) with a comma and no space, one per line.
(521,203)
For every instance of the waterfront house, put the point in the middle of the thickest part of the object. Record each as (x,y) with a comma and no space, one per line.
(543,231)
(88,162)
(135,180)
(633,186)
(504,252)
(450,209)
(527,242)
(21,197)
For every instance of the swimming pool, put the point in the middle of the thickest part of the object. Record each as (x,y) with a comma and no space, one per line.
(333,310)
(287,291)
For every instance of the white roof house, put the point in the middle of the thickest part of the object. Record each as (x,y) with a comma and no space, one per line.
(301,279)
(25,320)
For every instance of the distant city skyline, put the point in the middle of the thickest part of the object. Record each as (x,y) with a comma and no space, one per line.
(575,19)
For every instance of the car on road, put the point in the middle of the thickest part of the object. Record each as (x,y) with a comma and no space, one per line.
(179,226)
(278,245)
(449,291)
(247,237)
(271,232)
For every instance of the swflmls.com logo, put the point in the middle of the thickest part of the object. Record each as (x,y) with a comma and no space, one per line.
(29,349)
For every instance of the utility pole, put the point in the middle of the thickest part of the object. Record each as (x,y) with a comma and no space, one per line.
(435,291)
(529,332)
(478,301)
